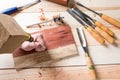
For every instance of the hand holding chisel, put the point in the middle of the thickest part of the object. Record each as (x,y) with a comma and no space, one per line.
(85,48)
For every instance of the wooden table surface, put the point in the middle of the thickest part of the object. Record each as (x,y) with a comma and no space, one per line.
(106,59)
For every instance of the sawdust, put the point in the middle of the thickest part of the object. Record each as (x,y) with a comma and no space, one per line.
(42,16)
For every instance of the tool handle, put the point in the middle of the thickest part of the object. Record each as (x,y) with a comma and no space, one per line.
(29,37)
(111,20)
(9,10)
(98,37)
(91,67)
(104,28)
(62,2)
(105,35)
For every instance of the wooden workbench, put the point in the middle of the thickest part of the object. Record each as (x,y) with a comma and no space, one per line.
(106,59)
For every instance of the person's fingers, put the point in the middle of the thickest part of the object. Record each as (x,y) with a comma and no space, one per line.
(28,46)
(38,44)
(39,47)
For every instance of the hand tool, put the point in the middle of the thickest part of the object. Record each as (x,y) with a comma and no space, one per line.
(98,37)
(103,16)
(11,35)
(97,23)
(68,3)
(87,19)
(87,56)
(57,19)
(15,9)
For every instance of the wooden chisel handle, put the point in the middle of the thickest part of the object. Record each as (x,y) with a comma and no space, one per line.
(103,27)
(105,35)
(91,67)
(98,37)
(111,20)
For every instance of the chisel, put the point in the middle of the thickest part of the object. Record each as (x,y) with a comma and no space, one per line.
(97,23)
(87,19)
(103,16)
(87,56)
(98,37)
(15,9)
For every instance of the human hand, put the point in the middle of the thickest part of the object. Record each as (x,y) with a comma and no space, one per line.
(37,44)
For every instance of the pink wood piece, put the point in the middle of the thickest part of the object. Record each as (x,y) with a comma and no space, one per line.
(58,37)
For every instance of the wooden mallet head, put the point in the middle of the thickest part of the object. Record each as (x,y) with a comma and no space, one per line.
(11,34)
(69,3)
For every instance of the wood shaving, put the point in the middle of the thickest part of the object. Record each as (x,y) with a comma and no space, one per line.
(42,16)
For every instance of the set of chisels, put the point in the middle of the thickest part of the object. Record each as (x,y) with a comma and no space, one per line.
(99,31)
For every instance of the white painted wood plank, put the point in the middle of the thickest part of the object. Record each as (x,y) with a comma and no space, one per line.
(4,4)
(25,19)
(100,55)
(95,4)
(100,3)
(111,56)
(104,72)
(6,61)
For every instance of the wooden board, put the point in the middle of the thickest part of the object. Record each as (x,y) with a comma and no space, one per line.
(94,46)
(59,42)
(104,72)
(75,70)
(94,4)
(12,34)
(100,3)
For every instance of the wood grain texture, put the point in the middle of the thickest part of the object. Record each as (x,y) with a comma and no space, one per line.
(106,72)
(93,4)
(75,72)
(52,56)
(11,34)
(97,51)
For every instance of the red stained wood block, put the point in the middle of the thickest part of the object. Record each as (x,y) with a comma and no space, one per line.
(58,37)
(53,38)
(62,2)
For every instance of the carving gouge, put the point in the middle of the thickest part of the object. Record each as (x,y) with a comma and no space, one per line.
(103,16)
(87,19)
(15,9)
(98,37)
(97,23)
(87,56)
